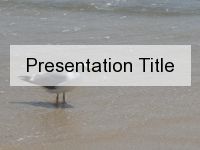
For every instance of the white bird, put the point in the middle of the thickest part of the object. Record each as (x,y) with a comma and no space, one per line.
(54,82)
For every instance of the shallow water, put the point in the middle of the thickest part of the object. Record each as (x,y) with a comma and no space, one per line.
(109,117)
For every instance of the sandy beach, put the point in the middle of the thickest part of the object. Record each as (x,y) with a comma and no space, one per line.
(100,117)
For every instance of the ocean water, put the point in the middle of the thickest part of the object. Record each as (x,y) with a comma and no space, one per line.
(162,6)
(109,117)
(100,21)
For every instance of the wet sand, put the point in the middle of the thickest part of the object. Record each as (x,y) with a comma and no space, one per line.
(110,118)
(100,117)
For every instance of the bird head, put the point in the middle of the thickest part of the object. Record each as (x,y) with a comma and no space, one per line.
(25,78)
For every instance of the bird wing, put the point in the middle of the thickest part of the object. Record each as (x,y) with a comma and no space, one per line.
(50,79)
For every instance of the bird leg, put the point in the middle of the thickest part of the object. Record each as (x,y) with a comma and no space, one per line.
(57,97)
(64,98)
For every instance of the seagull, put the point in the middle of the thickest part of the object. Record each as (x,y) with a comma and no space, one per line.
(54,82)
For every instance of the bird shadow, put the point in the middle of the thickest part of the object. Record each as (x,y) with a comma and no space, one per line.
(44,104)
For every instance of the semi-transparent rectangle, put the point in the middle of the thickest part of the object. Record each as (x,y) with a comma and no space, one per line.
(27,60)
